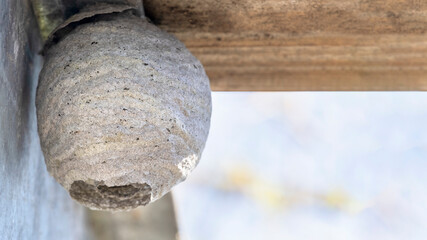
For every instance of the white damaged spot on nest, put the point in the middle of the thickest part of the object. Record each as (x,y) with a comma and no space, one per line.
(188,164)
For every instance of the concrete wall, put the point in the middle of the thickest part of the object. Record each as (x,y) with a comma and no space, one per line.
(32,204)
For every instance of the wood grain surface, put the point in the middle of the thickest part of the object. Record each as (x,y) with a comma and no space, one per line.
(304,45)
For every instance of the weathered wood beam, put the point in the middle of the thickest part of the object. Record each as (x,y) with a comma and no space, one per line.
(324,45)
(334,45)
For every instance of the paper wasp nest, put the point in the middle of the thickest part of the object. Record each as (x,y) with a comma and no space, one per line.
(123,111)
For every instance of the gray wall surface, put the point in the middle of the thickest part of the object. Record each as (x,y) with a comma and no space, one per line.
(32,204)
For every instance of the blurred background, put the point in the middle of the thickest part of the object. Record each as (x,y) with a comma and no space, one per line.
(309,165)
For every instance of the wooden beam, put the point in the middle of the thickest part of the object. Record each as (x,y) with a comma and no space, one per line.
(155,221)
(305,45)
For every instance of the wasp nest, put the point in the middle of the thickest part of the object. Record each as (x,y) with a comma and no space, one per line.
(123,110)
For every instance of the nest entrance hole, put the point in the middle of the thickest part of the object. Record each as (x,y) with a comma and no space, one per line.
(106,197)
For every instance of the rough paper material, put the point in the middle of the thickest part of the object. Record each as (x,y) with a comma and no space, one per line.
(123,112)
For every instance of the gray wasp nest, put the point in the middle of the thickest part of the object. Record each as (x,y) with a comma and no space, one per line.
(123,109)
